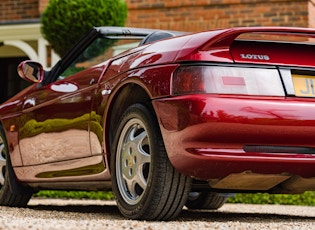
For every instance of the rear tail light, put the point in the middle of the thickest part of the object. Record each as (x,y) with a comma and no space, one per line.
(227,80)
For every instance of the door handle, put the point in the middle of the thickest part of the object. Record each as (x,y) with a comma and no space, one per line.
(29,102)
(92,81)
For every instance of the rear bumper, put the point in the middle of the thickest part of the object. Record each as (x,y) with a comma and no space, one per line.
(207,136)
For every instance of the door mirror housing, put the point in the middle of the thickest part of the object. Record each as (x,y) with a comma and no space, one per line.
(31,71)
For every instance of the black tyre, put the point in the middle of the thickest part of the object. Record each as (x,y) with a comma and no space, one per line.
(145,184)
(205,200)
(7,197)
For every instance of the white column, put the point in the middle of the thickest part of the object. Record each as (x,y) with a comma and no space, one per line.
(42,52)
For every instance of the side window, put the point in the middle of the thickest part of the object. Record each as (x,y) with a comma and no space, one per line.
(93,55)
(97,52)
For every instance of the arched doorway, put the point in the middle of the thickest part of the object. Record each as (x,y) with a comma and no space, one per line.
(20,42)
(11,83)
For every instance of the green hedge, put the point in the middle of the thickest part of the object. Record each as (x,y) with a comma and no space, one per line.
(306,199)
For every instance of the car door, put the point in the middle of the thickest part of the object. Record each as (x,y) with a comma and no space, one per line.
(55,120)
(55,123)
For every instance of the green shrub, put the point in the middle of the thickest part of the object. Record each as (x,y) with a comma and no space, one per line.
(64,22)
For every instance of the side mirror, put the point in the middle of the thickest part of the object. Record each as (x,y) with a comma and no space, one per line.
(31,71)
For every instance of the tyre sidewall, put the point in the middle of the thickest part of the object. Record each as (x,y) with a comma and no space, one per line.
(5,188)
(12,193)
(143,207)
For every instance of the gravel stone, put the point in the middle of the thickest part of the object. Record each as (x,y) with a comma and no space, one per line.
(52,214)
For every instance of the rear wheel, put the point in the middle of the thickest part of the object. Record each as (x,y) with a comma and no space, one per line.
(145,184)
(205,200)
(7,197)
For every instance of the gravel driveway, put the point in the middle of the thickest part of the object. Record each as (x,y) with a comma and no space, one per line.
(89,214)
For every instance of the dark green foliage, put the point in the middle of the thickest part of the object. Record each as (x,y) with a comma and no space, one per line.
(64,22)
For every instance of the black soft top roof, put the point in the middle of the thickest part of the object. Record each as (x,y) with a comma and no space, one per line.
(111,31)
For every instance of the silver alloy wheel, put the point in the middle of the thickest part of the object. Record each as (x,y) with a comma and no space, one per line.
(2,161)
(133,161)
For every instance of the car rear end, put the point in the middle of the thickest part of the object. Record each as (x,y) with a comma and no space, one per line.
(242,111)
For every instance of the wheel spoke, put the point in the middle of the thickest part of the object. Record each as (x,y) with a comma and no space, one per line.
(132,182)
(131,186)
(142,156)
(138,139)
(140,179)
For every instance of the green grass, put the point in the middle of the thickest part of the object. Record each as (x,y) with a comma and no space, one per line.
(75,195)
(305,199)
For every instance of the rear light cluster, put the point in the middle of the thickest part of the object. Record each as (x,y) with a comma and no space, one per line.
(227,80)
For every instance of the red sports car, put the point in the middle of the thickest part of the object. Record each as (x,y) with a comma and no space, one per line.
(165,119)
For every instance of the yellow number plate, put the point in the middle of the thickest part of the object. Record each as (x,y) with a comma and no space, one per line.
(304,86)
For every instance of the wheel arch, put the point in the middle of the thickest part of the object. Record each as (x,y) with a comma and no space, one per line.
(123,98)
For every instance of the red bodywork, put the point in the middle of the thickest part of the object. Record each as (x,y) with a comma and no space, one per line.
(209,132)
(209,137)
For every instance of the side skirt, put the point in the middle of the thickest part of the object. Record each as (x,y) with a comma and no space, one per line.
(78,170)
